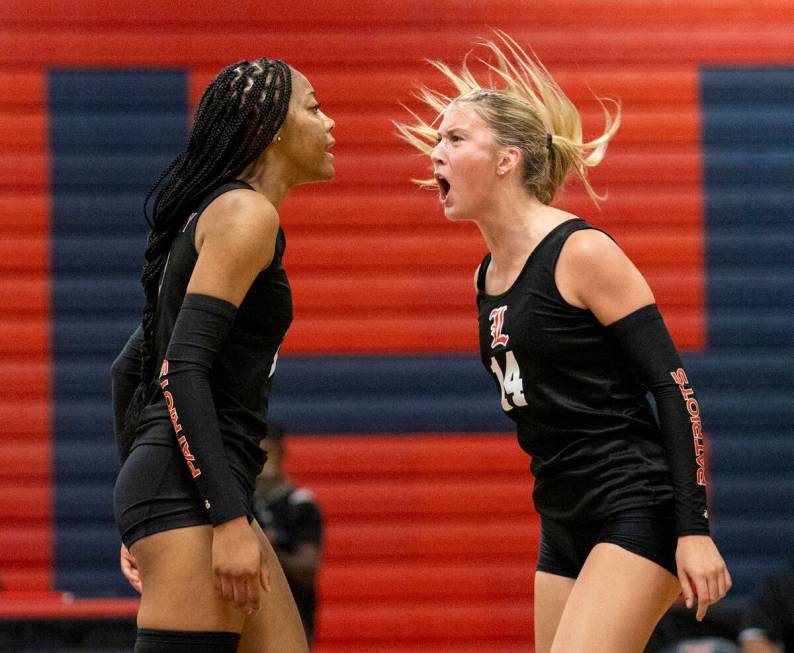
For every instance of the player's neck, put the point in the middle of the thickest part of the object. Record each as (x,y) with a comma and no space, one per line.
(514,227)
(267,177)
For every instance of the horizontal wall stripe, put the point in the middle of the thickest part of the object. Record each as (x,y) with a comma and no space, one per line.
(118,47)
(407,412)
(300,13)
(336,376)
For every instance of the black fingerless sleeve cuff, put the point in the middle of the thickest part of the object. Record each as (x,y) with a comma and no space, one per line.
(201,329)
(646,343)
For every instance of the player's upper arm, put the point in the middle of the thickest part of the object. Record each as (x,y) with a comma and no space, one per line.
(476,274)
(594,273)
(235,240)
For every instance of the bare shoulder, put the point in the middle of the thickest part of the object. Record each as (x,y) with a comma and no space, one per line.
(235,241)
(240,216)
(593,272)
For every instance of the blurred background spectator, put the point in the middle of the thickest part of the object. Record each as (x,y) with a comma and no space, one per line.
(293,523)
(768,625)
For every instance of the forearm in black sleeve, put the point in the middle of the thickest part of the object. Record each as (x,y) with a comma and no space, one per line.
(124,376)
(201,329)
(644,339)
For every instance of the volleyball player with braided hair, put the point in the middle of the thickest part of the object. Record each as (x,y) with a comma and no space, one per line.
(570,333)
(190,389)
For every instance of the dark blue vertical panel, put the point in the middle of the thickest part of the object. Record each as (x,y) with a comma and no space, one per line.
(111,133)
(748,367)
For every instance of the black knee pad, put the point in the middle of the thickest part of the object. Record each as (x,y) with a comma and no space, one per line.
(179,641)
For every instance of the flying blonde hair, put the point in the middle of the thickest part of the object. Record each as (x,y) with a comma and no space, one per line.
(528,111)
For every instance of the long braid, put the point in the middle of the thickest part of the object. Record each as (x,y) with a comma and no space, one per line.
(237,118)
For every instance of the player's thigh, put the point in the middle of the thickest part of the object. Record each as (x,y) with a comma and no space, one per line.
(178,585)
(551,595)
(276,627)
(615,603)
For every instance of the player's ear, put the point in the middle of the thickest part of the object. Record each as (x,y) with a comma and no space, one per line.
(508,158)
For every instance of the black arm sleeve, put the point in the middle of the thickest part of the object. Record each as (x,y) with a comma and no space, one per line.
(201,328)
(644,339)
(124,375)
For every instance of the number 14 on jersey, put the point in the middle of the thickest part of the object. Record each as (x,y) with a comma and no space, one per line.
(510,381)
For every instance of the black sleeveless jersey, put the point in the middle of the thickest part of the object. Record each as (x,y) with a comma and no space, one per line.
(582,413)
(242,372)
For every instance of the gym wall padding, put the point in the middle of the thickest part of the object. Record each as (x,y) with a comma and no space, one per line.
(431,535)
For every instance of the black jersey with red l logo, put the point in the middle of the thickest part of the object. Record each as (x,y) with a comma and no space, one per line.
(582,413)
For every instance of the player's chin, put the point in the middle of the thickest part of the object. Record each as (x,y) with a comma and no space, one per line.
(454,214)
(325,170)
(325,173)
(462,209)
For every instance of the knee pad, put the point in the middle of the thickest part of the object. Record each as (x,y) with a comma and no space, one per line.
(179,641)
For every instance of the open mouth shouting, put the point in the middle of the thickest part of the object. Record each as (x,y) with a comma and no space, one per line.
(443,186)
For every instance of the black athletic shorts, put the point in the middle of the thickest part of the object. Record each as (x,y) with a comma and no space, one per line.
(648,532)
(154,492)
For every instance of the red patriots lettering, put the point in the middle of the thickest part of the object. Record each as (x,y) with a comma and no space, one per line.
(497,318)
(693,408)
(182,440)
(189,458)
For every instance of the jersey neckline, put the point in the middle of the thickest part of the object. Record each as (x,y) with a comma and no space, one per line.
(531,255)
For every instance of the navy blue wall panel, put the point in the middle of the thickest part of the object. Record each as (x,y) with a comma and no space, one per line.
(111,133)
(748,140)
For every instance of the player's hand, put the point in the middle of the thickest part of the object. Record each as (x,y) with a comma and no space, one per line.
(238,564)
(701,572)
(130,569)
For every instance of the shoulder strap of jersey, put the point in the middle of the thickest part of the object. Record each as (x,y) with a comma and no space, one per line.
(486,261)
(572,226)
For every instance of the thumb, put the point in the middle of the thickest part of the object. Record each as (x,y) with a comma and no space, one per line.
(686,589)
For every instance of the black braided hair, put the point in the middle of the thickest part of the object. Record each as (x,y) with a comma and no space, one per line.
(237,118)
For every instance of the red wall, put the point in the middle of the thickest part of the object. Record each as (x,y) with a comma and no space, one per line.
(25,406)
(410,268)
